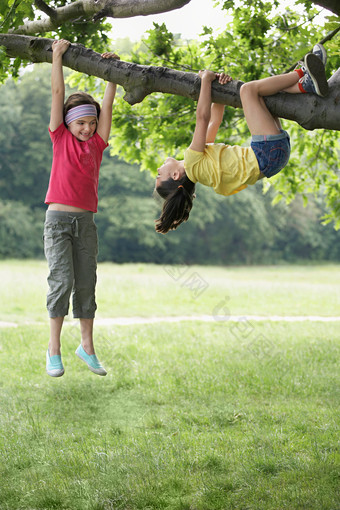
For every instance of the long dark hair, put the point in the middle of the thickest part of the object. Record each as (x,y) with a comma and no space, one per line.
(77,99)
(178,197)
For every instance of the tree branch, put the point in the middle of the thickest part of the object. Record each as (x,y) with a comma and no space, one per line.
(96,10)
(309,110)
(330,5)
(42,6)
(131,8)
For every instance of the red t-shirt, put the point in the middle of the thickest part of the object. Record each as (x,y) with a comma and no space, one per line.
(75,169)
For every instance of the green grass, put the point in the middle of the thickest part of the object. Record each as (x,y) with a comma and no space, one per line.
(150,290)
(191,416)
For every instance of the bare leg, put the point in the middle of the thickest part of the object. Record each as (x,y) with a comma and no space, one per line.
(86,329)
(276,119)
(56,323)
(260,121)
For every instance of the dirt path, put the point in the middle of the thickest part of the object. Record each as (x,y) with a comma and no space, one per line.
(127,321)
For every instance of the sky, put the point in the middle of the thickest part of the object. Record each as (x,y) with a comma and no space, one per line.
(187,21)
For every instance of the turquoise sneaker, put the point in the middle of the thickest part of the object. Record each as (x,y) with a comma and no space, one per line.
(54,365)
(91,360)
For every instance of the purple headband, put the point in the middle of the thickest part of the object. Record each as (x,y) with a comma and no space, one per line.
(83,110)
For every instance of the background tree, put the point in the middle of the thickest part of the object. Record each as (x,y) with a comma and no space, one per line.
(260,40)
(219,231)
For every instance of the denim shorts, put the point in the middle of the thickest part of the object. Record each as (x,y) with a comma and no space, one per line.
(71,247)
(272,152)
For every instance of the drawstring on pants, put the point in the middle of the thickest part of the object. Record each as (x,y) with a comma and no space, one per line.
(75,226)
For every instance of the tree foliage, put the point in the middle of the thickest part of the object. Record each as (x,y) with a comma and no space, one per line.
(257,42)
(261,38)
(243,229)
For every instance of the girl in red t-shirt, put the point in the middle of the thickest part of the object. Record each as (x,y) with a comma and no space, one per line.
(79,131)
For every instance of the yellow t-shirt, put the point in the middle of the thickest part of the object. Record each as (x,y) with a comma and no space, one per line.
(228,169)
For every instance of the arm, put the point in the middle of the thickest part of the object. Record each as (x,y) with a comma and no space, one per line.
(105,118)
(57,83)
(203,111)
(217,111)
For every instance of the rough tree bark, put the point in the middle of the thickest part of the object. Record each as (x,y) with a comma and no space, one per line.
(138,81)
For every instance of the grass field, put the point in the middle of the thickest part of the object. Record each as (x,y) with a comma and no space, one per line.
(150,290)
(192,415)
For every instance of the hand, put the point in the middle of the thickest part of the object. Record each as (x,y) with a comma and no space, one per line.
(223,78)
(59,47)
(207,75)
(110,54)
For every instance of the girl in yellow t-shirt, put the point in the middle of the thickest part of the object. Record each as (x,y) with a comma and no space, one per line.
(230,169)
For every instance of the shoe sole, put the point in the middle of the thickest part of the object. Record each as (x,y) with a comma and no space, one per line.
(94,370)
(58,374)
(316,70)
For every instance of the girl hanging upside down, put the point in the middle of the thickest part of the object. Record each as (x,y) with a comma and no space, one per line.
(230,169)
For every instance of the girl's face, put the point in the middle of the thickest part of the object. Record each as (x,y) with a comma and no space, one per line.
(170,169)
(83,128)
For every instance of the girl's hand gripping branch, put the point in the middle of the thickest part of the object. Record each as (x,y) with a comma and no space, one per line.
(105,118)
(59,47)
(223,78)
